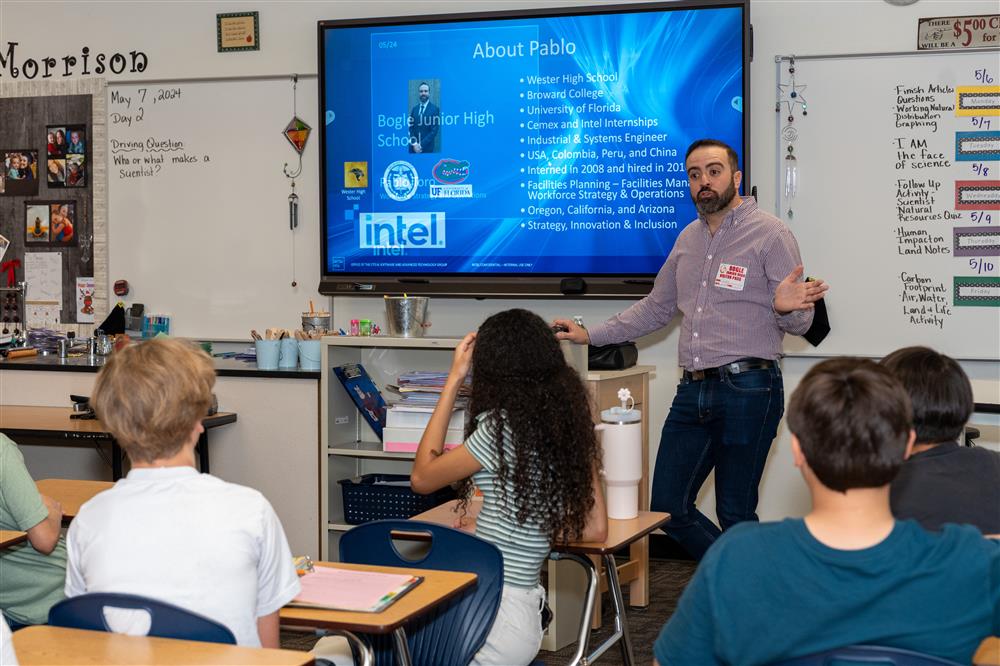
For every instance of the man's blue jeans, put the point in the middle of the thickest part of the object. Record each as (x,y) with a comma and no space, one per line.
(725,423)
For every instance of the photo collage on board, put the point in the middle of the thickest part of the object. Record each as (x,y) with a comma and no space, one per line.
(50,223)
(66,146)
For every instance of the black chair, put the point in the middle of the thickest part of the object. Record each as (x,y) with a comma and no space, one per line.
(867,655)
(453,632)
(167,620)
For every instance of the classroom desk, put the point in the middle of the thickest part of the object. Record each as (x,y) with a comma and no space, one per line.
(621,533)
(44,645)
(436,588)
(42,425)
(71,493)
(12,538)
(988,653)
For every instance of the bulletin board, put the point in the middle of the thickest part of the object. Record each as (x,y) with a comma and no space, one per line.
(46,209)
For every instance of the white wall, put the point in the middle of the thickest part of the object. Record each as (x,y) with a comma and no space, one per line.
(179,39)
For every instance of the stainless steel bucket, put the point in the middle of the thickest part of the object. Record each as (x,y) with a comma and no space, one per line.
(405,316)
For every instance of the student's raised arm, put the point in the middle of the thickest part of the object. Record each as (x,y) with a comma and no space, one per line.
(432,467)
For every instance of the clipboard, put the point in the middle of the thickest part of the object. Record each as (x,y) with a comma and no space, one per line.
(364,393)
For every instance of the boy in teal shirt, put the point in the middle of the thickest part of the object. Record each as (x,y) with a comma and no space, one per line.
(847,573)
(32,574)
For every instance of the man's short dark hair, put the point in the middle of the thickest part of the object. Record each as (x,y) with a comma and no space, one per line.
(734,160)
(939,391)
(852,419)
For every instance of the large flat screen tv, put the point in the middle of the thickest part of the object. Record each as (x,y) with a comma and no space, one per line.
(521,152)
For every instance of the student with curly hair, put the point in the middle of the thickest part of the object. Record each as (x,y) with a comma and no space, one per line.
(531,449)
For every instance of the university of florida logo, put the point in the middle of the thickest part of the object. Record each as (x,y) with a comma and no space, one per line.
(400,180)
(451,171)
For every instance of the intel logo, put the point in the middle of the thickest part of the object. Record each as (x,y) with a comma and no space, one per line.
(416,231)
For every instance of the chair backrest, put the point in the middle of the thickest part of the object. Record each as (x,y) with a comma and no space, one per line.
(167,621)
(453,632)
(867,655)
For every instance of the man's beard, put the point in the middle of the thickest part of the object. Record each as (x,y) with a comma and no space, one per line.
(715,203)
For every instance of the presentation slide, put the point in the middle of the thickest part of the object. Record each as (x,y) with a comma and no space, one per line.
(539,146)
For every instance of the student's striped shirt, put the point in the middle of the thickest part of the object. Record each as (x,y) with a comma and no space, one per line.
(524,546)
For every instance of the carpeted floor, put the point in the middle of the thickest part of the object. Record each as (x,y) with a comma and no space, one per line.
(667,579)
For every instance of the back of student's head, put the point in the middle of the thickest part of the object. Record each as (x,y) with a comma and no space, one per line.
(520,375)
(151,395)
(852,419)
(939,391)
(514,344)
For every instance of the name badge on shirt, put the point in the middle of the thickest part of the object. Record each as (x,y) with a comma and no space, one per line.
(731,276)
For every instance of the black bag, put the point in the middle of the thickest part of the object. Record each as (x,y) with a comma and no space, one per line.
(612,357)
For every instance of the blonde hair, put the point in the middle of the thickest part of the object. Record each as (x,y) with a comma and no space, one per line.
(151,395)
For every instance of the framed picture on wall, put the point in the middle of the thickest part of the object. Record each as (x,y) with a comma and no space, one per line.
(76,170)
(62,222)
(55,138)
(20,172)
(36,223)
(55,174)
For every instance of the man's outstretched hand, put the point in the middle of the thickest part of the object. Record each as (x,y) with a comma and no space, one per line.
(792,294)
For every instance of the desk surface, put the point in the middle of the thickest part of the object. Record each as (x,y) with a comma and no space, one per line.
(11,537)
(436,587)
(15,419)
(44,645)
(620,532)
(988,653)
(71,493)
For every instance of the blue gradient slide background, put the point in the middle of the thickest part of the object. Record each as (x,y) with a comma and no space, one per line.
(682,68)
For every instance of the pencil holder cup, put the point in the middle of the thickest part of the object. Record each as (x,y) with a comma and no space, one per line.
(310,354)
(288,355)
(267,354)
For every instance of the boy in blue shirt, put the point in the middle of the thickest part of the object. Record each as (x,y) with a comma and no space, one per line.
(847,573)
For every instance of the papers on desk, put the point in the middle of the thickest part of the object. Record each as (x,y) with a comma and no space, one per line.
(352,590)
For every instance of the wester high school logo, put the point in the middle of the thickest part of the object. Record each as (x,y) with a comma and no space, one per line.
(355,174)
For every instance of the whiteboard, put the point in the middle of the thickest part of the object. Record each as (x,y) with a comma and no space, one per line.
(898,202)
(198,203)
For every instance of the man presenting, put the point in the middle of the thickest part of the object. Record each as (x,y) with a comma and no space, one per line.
(735,275)
(425,119)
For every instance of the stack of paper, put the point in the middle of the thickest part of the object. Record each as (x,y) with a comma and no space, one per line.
(352,590)
(420,387)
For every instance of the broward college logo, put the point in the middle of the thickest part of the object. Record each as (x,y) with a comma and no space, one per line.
(400,180)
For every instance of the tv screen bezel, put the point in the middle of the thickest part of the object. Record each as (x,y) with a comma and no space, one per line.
(499,284)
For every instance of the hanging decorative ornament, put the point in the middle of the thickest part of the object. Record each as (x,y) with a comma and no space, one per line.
(791,175)
(297,132)
(790,98)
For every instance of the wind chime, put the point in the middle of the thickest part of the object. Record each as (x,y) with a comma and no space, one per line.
(789,98)
(297,133)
